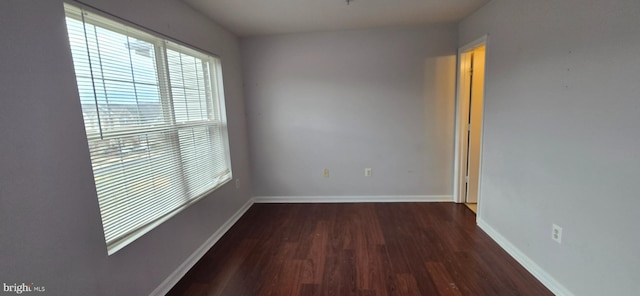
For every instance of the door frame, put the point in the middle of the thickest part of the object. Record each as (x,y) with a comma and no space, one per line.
(458,158)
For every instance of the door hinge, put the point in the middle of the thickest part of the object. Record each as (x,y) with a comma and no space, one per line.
(469,127)
(466,179)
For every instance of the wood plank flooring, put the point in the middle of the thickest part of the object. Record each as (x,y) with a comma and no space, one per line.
(357,249)
(473,207)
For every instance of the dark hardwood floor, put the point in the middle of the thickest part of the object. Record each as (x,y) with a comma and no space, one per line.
(357,249)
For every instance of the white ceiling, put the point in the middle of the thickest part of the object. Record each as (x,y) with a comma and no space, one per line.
(263,17)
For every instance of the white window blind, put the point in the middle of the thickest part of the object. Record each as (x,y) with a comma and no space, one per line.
(153,113)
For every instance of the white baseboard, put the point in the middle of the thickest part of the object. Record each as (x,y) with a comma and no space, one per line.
(353,199)
(537,271)
(174,277)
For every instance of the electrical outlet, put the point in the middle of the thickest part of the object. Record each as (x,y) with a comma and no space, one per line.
(556,233)
(237,183)
(367,172)
(326,173)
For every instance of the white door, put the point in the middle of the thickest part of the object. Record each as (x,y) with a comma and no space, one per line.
(469,134)
(475,123)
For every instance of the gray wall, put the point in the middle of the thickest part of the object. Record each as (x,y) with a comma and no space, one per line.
(345,101)
(561,136)
(50,229)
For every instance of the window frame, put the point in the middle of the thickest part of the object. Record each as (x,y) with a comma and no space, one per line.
(217,118)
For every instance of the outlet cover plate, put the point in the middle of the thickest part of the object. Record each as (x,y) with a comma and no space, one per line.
(556,233)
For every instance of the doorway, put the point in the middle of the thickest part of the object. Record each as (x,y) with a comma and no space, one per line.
(469,122)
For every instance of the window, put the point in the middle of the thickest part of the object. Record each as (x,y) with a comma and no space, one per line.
(154,117)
